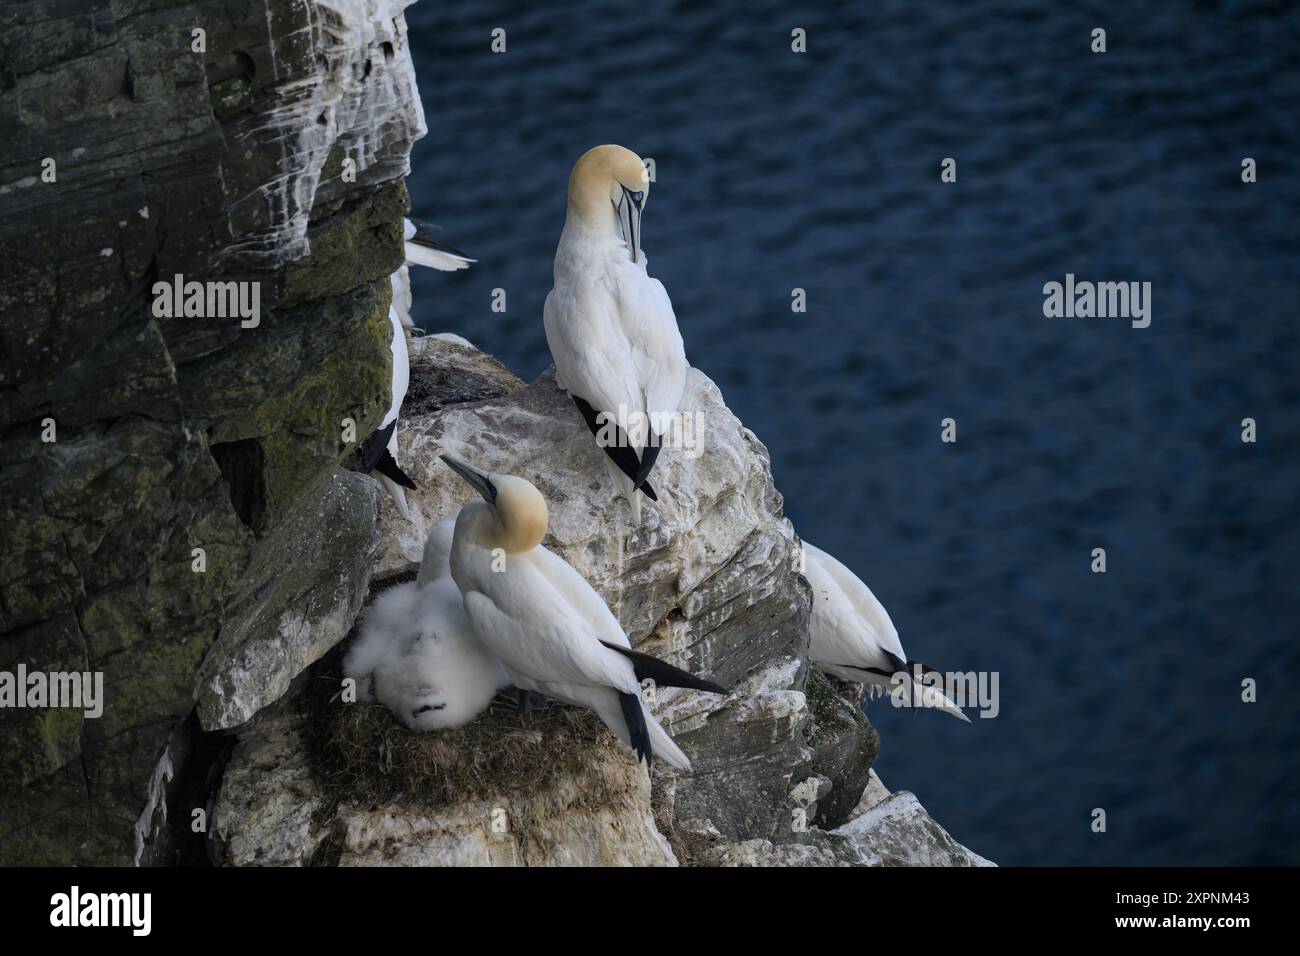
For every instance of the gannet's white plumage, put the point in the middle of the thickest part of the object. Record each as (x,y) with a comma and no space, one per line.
(851,635)
(417,653)
(379,450)
(545,623)
(402,297)
(422,250)
(609,325)
(435,563)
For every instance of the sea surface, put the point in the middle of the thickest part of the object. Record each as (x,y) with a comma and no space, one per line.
(821,171)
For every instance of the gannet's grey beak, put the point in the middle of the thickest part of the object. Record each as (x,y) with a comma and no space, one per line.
(477,480)
(629,221)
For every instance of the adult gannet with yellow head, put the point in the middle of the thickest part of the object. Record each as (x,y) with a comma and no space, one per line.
(545,623)
(609,325)
(852,637)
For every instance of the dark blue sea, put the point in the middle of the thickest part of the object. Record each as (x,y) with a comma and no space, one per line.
(821,171)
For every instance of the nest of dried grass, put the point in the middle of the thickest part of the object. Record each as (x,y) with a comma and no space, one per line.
(359,752)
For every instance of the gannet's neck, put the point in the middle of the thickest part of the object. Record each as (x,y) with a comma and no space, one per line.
(590,193)
(587,254)
(592,210)
(514,530)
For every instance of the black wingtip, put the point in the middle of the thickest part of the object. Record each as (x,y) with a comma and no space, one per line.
(664,674)
(388,467)
(914,667)
(441,247)
(637,730)
(424,229)
(648,455)
(878,672)
(620,453)
(903,667)
(424,236)
(375,445)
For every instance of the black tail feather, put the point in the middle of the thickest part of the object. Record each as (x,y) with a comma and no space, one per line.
(637,730)
(663,673)
(620,453)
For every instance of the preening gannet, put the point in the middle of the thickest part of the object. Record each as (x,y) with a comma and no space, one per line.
(417,654)
(545,623)
(853,638)
(422,250)
(609,325)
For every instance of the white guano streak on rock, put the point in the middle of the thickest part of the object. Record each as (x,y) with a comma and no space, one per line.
(898,831)
(347,35)
(162,775)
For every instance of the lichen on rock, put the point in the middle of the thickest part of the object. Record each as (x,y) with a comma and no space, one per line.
(182,433)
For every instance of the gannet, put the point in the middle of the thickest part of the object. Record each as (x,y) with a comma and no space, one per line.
(545,623)
(421,250)
(852,637)
(379,450)
(417,654)
(609,325)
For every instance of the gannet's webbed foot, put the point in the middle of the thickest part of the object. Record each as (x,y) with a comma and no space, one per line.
(527,701)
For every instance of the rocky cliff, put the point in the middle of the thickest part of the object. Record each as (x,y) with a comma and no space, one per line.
(264,142)
(178,514)
(781,766)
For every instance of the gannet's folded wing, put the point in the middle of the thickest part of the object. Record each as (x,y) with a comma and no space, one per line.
(423,250)
(550,648)
(582,599)
(862,602)
(658,355)
(837,633)
(593,359)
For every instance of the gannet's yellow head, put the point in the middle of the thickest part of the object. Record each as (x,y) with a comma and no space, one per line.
(519,508)
(609,185)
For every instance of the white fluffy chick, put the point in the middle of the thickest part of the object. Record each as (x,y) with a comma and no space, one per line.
(417,654)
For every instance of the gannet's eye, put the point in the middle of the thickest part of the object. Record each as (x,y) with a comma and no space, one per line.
(638,197)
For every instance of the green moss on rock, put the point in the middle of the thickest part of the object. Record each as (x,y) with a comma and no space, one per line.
(844,746)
